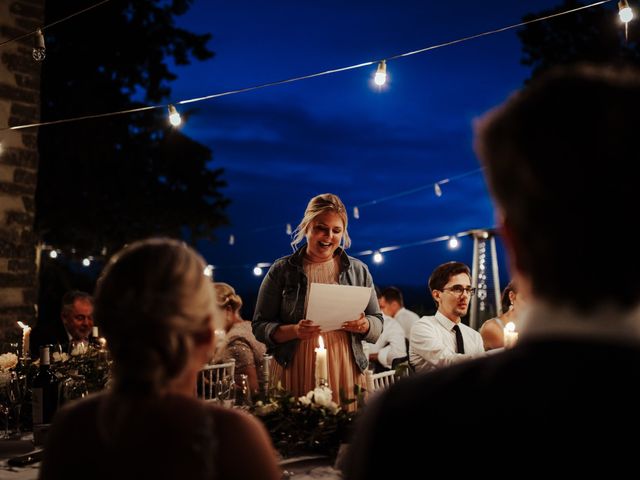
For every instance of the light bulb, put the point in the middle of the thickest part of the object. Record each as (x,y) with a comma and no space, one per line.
(257,271)
(380,77)
(53,254)
(453,242)
(39,51)
(356,213)
(377,257)
(625,12)
(437,190)
(174,116)
(289,229)
(86,262)
(232,239)
(208,271)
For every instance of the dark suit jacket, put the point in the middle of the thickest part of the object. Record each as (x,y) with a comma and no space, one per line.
(542,408)
(48,335)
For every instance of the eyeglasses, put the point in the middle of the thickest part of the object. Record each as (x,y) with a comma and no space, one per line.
(459,290)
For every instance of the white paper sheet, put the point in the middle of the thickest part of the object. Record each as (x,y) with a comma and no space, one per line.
(331,305)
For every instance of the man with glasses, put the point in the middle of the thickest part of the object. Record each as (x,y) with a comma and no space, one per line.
(442,339)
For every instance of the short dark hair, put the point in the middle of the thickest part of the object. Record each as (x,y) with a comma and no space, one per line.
(69,298)
(442,273)
(393,294)
(504,299)
(555,154)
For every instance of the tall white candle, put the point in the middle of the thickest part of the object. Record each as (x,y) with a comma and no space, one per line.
(26,334)
(368,376)
(321,361)
(510,335)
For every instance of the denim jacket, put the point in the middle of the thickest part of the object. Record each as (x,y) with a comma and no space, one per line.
(282,297)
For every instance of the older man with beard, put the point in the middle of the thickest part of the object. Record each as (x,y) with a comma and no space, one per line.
(443,339)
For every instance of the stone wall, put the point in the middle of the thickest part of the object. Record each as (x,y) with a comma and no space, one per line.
(19,104)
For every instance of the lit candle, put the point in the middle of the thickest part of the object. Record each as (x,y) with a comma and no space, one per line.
(510,335)
(368,376)
(26,333)
(321,362)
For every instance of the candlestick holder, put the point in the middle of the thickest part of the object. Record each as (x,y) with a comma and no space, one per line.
(323,382)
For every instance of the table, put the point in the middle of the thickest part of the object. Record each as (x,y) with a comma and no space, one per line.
(13,448)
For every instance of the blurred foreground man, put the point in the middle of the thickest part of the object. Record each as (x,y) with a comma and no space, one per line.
(564,400)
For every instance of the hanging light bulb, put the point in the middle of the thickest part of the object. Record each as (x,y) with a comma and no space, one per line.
(208,271)
(53,254)
(232,239)
(39,51)
(377,257)
(288,229)
(437,190)
(453,242)
(356,213)
(174,116)
(86,262)
(380,78)
(257,271)
(625,12)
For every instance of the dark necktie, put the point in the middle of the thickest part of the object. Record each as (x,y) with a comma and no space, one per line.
(459,341)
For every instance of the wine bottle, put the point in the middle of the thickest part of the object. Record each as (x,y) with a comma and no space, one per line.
(44,389)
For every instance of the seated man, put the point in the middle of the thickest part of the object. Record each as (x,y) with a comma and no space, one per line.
(392,304)
(77,323)
(443,339)
(390,345)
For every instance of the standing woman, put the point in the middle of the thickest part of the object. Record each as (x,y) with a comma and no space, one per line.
(280,315)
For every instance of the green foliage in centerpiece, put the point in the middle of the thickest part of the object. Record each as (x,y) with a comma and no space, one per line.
(311,423)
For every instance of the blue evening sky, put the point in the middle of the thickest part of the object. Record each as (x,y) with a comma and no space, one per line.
(280,146)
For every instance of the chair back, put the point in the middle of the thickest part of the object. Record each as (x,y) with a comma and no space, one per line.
(383,380)
(213,378)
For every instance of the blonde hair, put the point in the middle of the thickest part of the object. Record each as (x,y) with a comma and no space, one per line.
(327,202)
(226,296)
(152,300)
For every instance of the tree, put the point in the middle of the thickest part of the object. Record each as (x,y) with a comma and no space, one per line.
(108,181)
(591,35)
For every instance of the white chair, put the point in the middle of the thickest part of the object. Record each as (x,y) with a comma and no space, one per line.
(381,380)
(212,376)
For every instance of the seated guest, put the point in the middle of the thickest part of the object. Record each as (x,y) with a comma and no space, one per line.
(390,346)
(492,331)
(392,304)
(242,345)
(443,339)
(158,312)
(77,322)
(563,401)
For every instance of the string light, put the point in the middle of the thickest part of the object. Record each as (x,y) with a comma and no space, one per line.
(257,271)
(53,254)
(626,15)
(380,78)
(288,230)
(39,51)
(232,239)
(453,242)
(437,190)
(86,261)
(303,77)
(174,116)
(377,257)
(208,271)
(356,213)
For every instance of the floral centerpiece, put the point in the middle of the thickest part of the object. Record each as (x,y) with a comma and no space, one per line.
(311,423)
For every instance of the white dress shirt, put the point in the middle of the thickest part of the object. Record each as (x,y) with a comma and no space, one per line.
(406,319)
(390,344)
(433,343)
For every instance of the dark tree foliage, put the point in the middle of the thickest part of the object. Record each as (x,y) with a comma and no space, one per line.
(108,181)
(591,35)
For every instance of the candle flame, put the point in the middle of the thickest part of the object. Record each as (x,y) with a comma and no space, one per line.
(320,342)
(22,325)
(510,327)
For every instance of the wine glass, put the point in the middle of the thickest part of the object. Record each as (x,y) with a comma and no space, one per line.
(226,391)
(73,387)
(16,389)
(243,391)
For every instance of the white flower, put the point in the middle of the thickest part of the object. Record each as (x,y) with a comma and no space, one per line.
(304,400)
(8,360)
(266,409)
(60,357)
(79,348)
(322,396)
(333,408)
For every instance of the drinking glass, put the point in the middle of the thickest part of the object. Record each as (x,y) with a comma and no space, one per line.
(16,389)
(226,391)
(73,387)
(243,392)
